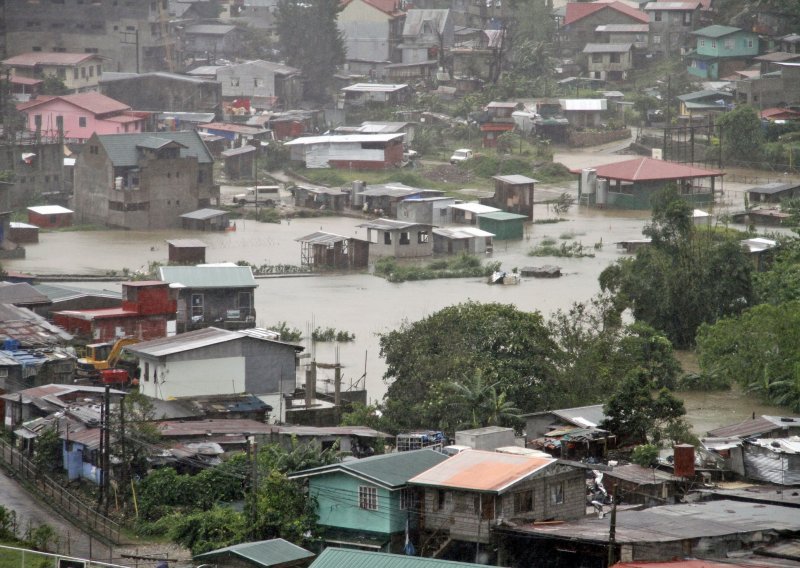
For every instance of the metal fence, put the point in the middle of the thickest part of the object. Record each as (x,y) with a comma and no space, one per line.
(12,557)
(68,504)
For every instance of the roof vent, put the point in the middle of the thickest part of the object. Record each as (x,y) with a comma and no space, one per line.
(787,419)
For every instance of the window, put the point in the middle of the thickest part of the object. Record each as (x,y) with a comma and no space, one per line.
(147,372)
(557,494)
(83,72)
(244,302)
(597,57)
(713,44)
(523,501)
(687,18)
(258,82)
(37,48)
(702,43)
(387,238)
(74,73)
(729,43)
(197,305)
(656,39)
(750,43)
(615,58)
(62,73)
(405,239)
(408,499)
(657,16)
(368,497)
(423,237)
(234,82)
(60,123)
(441,497)
(37,121)
(201,176)
(91,71)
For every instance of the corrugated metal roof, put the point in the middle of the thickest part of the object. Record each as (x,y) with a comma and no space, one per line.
(391,471)
(375,88)
(515,179)
(322,238)
(501,216)
(246,149)
(30,329)
(187,243)
(203,214)
(21,293)
(478,470)
(774,187)
(188,341)
(641,475)
(304,431)
(91,101)
(623,28)
(415,18)
(755,426)
(577,11)
(122,148)
(209,29)
(344,139)
(50,209)
(210,427)
(391,225)
(583,104)
(672,5)
(208,276)
(48,58)
(349,558)
(462,233)
(474,207)
(648,169)
(716,31)
(607,48)
(589,416)
(262,553)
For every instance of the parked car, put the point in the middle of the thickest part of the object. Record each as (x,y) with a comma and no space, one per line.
(461,155)
(267,195)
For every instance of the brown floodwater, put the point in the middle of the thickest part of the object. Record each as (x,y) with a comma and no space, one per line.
(367,305)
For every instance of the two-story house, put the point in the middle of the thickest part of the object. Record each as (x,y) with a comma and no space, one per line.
(264,83)
(143,181)
(609,61)
(498,120)
(427,38)
(367,502)
(213,294)
(76,117)
(78,71)
(372,31)
(582,18)
(212,41)
(720,51)
(468,495)
(671,24)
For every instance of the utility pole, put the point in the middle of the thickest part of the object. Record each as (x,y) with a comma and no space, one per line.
(106,433)
(612,531)
(254,487)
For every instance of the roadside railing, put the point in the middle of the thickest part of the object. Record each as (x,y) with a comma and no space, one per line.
(63,501)
(15,557)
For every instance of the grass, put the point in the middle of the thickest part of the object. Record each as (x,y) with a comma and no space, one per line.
(566,250)
(462,266)
(549,220)
(569,235)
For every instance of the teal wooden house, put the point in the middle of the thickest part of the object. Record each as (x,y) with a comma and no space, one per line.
(720,51)
(367,503)
(505,226)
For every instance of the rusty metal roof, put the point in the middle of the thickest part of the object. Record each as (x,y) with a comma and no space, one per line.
(754,426)
(478,470)
(641,475)
(225,427)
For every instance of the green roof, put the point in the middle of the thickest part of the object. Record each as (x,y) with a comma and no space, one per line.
(346,558)
(716,31)
(502,216)
(388,470)
(209,276)
(275,552)
(121,148)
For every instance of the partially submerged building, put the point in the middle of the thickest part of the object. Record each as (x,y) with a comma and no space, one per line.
(350,151)
(399,239)
(322,250)
(467,240)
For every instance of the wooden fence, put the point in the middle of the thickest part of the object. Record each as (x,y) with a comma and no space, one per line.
(66,503)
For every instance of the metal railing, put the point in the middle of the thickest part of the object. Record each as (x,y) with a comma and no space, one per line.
(24,558)
(63,501)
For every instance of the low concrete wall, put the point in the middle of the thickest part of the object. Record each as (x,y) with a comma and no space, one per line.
(595,138)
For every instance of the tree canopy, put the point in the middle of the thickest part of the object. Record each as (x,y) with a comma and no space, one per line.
(741,134)
(311,41)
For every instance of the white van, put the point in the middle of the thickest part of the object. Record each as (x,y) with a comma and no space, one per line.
(268,195)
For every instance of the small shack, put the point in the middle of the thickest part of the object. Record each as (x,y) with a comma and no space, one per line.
(761,251)
(470,240)
(514,194)
(328,250)
(774,192)
(23,233)
(385,198)
(399,239)
(431,210)
(349,151)
(239,162)
(642,485)
(206,220)
(504,226)
(50,216)
(318,197)
(467,213)
(187,251)
(361,94)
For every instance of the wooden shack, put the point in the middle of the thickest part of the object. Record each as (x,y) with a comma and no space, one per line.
(50,216)
(504,226)
(322,250)
(23,233)
(187,251)
(514,194)
(206,220)
(239,162)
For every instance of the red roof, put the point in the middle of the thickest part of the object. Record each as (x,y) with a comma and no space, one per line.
(649,169)
(779,113)
(17,80)
(102,313)
(580,10)
(34,58)
(92,101)
(389,7)
(497,126)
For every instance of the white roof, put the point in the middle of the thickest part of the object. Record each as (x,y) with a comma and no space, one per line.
(18,225)
(759,244)
(343,139)
(50,209)
(462,232)
(700,213)
(789,445)
(474,207)
(375,88)
(583,104)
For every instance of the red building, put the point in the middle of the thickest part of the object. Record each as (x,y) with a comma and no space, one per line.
(50,216)
(146,308)
(499,120)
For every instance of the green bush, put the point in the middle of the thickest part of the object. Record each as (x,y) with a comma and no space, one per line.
(553,171)
(645,455)
(462,266)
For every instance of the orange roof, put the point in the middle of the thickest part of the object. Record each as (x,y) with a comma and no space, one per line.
(477,470)
(649,169)
(390,7)
(92,101)
(778,113)
(579,10)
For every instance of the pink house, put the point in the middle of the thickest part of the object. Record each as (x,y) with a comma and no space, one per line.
(81,115)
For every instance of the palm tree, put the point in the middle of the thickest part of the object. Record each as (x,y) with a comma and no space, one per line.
(480,403)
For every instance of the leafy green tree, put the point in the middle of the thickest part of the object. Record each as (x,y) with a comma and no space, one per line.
(644,455)
(134,435)
(369,415)
(311,41)
(52,85)
(760,349)
(283,510)
(637,416)
(742,137)
(684,279)
(510,348)
(480,404)
(47,453)
(781,282)
(299,456)
(208,530)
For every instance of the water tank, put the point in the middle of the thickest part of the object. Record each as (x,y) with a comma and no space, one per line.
(602,192)
(684,460)
(588,181)
(356,197)
(118,182)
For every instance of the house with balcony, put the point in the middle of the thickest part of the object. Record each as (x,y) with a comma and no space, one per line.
(372,31)
(635,34)
(720,51)
(369,501)
(671,25)
(609,61)
(497,120)
(143,181)
(78,71)
(212,294)
(582,18)
(76,117)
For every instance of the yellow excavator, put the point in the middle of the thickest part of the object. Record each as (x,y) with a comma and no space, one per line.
(101,359)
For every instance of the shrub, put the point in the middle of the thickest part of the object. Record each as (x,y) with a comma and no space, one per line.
(645,455)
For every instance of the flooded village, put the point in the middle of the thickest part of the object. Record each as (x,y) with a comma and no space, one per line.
(370,283)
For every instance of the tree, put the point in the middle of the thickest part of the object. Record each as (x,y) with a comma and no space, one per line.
(208,530)
(509,347)
(480,404)
(742,137)
(284,510)
(133,435)
(311,41)
(760,349)
(781,282)
(685,278)
(636,416)
(644,455)
(52,85)
(47,453)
